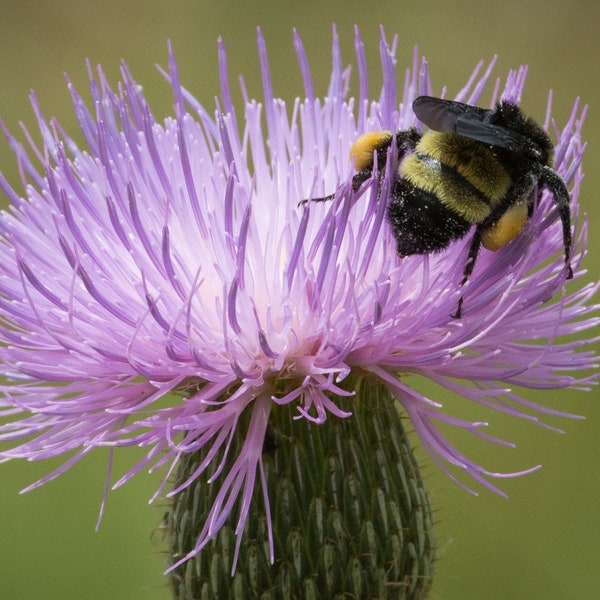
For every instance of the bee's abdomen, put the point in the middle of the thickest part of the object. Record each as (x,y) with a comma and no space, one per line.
(463,174)
(420,222)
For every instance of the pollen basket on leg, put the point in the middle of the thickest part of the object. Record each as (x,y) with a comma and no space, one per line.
(507,228)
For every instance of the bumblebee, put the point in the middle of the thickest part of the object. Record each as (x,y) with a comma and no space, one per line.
(475,168)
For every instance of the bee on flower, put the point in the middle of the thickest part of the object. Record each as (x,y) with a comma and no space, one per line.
(164,286)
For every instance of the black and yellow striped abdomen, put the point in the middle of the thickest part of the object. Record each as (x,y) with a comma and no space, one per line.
(463,174)
(446,185)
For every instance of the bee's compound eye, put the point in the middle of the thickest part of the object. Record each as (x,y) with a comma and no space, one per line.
(361,153)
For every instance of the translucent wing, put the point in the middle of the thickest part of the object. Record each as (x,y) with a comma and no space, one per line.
(472,122)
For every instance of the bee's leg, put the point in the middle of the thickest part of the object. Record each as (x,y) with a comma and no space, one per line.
(360,178)
(472,257)
(554,182)
(321,199)
(357,181)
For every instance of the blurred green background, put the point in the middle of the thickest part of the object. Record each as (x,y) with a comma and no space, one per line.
(544,541)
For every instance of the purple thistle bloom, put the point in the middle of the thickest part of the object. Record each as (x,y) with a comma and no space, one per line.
(165,279)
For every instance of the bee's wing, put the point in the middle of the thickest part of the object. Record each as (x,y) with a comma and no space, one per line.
(471,121)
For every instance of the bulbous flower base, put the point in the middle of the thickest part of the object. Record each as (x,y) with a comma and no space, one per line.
(349,513)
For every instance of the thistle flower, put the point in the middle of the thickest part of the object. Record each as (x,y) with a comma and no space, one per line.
(168,286)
